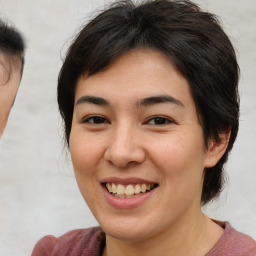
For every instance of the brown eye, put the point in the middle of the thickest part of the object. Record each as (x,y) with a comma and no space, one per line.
(95,120)
(159,120)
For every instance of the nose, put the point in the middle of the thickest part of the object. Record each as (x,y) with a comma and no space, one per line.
(124,148)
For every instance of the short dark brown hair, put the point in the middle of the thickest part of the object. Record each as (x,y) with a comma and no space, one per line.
(195,43)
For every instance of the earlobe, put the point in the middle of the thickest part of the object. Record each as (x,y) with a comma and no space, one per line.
(216,149)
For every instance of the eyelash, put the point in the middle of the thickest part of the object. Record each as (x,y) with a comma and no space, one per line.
(96,120)
(158,120)
(162,120)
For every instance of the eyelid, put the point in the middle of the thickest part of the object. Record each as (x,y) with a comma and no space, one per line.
(87,118)
(168,119)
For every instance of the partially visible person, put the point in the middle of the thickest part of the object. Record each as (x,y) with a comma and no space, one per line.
(11,66)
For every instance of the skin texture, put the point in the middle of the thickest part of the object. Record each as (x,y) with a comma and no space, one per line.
(127,141)
(10,75)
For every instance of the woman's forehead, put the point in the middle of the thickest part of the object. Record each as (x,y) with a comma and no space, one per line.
(135,76)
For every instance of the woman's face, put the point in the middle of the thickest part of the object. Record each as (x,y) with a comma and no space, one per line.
(10,75)
(135,128)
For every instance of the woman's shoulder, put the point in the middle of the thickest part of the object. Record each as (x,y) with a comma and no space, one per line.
(234,242)
(90,241)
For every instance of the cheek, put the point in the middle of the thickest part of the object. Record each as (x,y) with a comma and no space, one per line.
(6,99)
(85,159)
(85,153)
(180,165)
(180,158)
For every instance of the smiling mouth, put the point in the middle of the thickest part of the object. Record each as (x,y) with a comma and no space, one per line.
(130,190)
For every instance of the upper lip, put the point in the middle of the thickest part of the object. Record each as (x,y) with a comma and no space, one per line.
(126,181)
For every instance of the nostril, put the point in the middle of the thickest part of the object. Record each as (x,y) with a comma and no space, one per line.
(124,157)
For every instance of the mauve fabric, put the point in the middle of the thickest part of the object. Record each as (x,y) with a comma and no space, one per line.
(80,242)
(91,242)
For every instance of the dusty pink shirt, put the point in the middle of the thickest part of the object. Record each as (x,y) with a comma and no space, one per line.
(91,242)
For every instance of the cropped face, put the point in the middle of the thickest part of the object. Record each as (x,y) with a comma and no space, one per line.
(10,76)
(137,147)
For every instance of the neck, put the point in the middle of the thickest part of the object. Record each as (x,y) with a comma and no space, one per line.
(185,238)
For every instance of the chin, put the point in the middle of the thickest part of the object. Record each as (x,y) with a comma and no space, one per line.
(128,230)
(128,234)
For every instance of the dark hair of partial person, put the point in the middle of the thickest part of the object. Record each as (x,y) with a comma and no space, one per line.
(12,44)
(195,43)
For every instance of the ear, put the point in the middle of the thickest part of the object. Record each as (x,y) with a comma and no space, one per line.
(216,149)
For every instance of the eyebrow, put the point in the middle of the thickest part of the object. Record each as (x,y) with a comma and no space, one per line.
(159,99)
(94,100)
(152,100)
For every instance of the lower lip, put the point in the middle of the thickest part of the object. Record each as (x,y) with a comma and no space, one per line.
(127,203)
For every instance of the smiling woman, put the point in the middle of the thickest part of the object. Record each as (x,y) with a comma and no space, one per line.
(143,141)
(148,95)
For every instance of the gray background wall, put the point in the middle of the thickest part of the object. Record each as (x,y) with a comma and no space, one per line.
(38,192)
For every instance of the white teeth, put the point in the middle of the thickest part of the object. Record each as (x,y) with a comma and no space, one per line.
(129,190)
(121,190)
(109,187)
(143,188)
(137,189)
(113,188)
